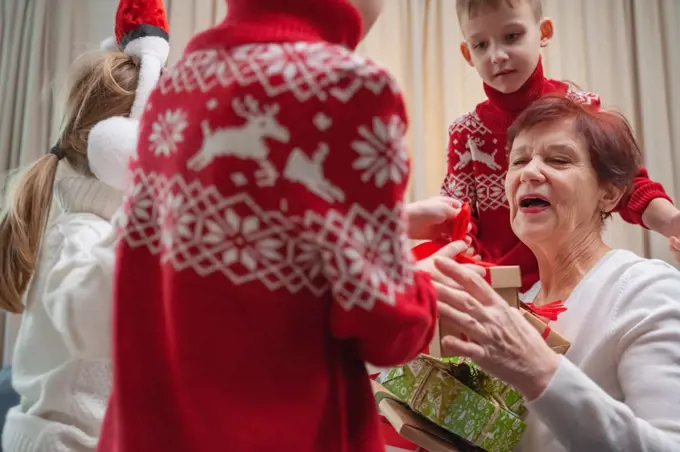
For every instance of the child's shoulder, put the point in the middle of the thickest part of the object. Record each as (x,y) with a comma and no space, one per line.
(303,66)
(583,97)
(574,92)
(343,63)
(468,124)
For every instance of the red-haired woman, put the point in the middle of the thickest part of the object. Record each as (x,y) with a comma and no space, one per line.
(617,387)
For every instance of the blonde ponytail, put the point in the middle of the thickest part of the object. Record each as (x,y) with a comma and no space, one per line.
(21,230)
(103,87)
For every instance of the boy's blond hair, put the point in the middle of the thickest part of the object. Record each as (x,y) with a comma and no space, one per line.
(102,88)
(469,8)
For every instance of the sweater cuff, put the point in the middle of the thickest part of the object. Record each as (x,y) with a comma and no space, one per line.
(639,200)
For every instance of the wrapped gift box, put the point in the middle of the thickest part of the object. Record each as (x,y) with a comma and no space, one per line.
(498,390)
(506,281)
(552,338)
(428,387)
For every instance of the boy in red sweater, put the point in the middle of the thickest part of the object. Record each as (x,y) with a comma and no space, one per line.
(503,39)
(263,256)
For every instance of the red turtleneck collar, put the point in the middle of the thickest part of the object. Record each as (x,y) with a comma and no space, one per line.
(519,100)
(261,21)
(503,108)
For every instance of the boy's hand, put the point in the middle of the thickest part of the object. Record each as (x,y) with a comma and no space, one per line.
(431,218)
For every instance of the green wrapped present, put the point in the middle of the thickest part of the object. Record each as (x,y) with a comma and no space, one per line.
(488,386)
(430,386)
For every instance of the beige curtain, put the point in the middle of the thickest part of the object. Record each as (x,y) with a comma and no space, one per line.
(24,80)
(188,17)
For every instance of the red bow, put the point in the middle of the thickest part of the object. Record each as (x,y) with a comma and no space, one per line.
(549,311)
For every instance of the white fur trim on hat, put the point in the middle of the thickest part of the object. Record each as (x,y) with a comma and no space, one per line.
(111,144)
(109,44)
(153,52)
(153,46)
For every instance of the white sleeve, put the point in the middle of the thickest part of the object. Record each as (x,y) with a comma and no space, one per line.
(78,295)
(583,417)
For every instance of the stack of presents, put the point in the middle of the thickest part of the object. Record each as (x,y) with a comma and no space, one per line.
(448,404)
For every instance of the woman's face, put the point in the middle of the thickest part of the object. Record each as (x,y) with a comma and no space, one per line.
(552,188)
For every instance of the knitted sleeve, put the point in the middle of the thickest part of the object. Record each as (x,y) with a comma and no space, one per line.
(459,182)
(77,294)
(633,206)
(646,329)
(380,300)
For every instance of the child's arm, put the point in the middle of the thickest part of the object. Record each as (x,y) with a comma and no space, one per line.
(78,292)
(459,182)
(380,300)
(649,206)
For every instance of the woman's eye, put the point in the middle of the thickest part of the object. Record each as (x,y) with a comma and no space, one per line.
(519,161)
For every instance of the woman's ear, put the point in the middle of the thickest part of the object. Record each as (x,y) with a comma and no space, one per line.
(465,51)
(547,31)
(611,197)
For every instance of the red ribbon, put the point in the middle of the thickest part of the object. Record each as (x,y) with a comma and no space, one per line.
(459,229)
(549,311)
(458,232)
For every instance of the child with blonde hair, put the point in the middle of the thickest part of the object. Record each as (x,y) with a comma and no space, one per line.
(58,273)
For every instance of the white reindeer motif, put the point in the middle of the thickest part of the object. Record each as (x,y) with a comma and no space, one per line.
(309,172)
(244,142)
(463,159)
(482,157)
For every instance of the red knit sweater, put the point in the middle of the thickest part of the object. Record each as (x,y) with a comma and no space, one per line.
(263,257)
(477,165)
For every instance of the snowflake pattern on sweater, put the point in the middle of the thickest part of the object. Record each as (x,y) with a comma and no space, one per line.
(168,215)
(268,191)
(477,160)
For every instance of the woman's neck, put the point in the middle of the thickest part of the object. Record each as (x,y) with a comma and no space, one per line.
(563,265)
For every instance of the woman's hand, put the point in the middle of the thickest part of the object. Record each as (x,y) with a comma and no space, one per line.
(431,218)
(500,341)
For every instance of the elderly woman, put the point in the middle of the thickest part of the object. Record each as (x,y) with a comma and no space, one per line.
(618,387)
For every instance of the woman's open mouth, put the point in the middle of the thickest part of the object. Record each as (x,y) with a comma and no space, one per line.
(533,204)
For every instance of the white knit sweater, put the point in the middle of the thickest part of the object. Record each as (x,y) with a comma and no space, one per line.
(62,359)
(618,388)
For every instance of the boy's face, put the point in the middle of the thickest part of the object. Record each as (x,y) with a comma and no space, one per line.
(504,44)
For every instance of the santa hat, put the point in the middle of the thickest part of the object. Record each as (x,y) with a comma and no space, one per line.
(141,30)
